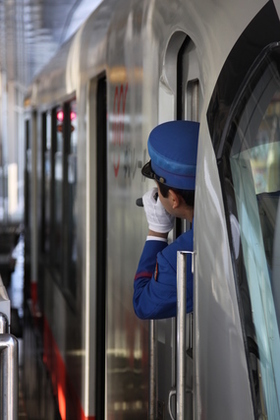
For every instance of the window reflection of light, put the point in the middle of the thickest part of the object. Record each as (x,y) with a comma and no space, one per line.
(60,115)
(61,402)
(235,231)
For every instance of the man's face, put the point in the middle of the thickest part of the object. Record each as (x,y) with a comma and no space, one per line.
(166,202)
(174,204)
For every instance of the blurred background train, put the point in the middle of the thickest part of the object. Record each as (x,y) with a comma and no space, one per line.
(88,114)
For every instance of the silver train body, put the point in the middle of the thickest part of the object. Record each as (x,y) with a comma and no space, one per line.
(131,66)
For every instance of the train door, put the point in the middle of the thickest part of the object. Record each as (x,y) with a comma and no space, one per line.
(249,160)
(96,284)
(187,103)
(30,217)
(237,328)
(27,204)
(101,240)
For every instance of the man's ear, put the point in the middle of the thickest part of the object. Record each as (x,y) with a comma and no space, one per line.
(175,199)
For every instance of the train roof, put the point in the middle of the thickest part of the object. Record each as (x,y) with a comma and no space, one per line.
(60,76)
(108,32)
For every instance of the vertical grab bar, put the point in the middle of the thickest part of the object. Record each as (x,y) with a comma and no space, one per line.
(181,335)
(8,361)
(153,371)
(9,377)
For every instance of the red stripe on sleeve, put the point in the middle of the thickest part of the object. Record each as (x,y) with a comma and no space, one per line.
(143,274)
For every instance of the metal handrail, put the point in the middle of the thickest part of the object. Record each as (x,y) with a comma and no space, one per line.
(9,370)
(181,390)
(153,371)
(9,361)
(181,335)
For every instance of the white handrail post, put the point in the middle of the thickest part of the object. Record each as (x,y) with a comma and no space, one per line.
(153,371)
(9,377)
(181,332)
(181,335)
(9,361)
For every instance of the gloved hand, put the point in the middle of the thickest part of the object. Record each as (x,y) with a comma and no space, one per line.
(159,220)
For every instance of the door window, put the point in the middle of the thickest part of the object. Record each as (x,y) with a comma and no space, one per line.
(252,162)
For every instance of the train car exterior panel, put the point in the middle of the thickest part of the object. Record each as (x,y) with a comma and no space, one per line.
(216,291)
(128,68)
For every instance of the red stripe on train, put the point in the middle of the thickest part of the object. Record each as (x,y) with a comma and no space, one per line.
(68,400)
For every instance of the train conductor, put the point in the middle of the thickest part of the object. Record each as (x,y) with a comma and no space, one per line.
(172,148)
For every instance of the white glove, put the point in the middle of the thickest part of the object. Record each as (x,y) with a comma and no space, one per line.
(159,220)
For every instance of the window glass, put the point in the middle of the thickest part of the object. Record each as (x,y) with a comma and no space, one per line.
(71,207)
(47,182)
(63,149)
(58,196)
(28,175)
(254,162)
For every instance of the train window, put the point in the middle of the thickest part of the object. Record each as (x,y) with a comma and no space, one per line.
(28,175)
(46,179)
(57,142)
(253,158)
(60,179)
(71,199)
(193,100)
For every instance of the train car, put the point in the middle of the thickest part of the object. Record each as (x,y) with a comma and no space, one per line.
(131,66)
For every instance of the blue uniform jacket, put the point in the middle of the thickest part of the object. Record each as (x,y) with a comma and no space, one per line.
(155,283)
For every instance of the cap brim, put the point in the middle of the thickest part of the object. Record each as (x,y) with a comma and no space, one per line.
(147,170)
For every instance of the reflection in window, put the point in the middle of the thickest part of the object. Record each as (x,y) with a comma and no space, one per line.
(254,162)
(265,156)
(58,179)
(60,163)
(28,174)
(71,207)
(47,182)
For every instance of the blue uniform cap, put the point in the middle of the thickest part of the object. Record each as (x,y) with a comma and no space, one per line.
(172,148)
